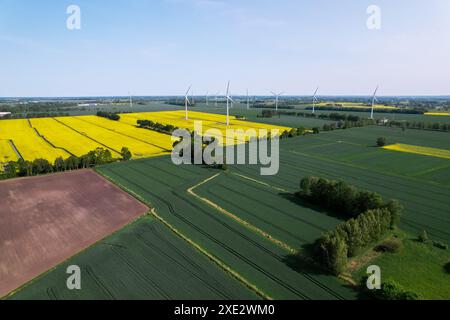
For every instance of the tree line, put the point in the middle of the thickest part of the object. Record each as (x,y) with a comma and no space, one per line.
(334,248)
(109,115)
(369,219)
(25,168)
(155,126)
(420,125)
(365,109)
(341,198)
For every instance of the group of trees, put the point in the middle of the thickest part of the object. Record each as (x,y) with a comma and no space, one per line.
(108,115)
(342,198)
(162,128)
(420,125)
(365,109)
(334,248)
(390,290)
(24,168)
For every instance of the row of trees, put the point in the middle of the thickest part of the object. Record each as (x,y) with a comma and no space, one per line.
(420,125)
(151,125)
(342,198)
(334,248)
(24,168)
(365,109)
(108,115)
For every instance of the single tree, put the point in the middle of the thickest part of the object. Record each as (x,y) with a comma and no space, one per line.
(381,142)
(126,154)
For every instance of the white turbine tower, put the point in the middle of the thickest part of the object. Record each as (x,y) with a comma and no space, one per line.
(229,99)
(315,100)
(248,101)
(186,102)
(374,98)
(277,97)
(207,98)
(131,102)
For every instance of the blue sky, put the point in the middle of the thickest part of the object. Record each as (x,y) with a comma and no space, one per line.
(156,47)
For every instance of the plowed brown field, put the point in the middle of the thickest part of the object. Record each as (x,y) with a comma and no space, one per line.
(46,220)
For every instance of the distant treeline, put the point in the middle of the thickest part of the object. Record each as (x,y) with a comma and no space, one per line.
(108,115)
(34,115)
(272,107)
(370,219)
(162,128)
(180,103)
(436,126)
(356,109)
(24,168)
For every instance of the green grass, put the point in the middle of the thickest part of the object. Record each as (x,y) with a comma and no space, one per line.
(143,261)
(417,267)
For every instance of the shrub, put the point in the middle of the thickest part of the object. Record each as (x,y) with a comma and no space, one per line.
(440,245)
(447,267)
(390,290)
(381,142)
(391,245)
(423,237)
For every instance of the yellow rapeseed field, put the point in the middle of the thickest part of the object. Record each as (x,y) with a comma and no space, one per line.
(7,152)
(62,137)
(438,114)
(28,142)
(50,138)
(426,151)
(209,121)
(111,139)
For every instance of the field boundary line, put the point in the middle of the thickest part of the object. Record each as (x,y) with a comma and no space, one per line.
(260,182)
(214,259)
(85,135)
(246,224)
(124,134)
(210,256)
(14,147)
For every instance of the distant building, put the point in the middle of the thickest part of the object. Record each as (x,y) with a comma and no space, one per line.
(383,121)
(4,114)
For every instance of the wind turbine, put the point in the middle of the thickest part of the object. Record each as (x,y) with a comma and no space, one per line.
(248,101)
(206,97)
(229,99)
(131,102)
(373,102)
(277,96)
(315,100)
(186,102)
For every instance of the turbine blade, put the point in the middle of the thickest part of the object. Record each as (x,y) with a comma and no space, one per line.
(187,92)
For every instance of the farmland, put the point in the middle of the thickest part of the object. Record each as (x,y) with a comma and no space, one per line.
(50,138)
(261,262)
(46,220)
(142,261)
(29,144)
(425,151)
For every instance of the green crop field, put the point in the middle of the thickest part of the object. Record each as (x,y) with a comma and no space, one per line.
(143,261)
(420,183)
(279,214)
(259,261)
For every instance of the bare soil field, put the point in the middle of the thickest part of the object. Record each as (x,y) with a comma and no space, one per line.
(46,220)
